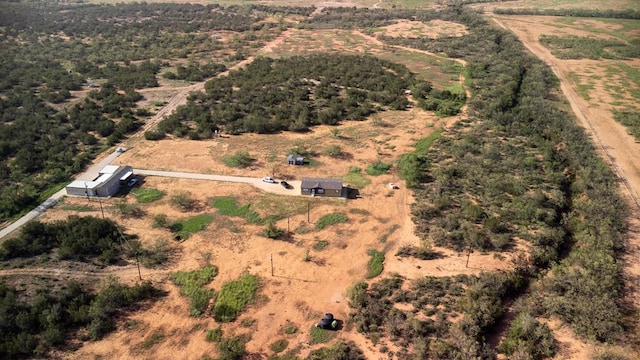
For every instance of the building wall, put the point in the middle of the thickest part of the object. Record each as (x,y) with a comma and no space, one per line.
(322,192)
(78,191)
(112,185)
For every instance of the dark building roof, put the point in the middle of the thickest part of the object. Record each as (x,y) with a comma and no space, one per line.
(323,183)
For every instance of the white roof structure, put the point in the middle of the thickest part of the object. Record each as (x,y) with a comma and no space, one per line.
(106,184)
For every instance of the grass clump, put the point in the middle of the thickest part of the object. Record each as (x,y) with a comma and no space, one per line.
(214,335)
(359,211)
(191,285)
(355,178)
(147,195)
(232,348)
(319,336)
(279,346)
(375,264)
(334,151)
(290,329)
(378,168)
(155,338)
(385,237)
(183,229)
(184,201)
(271,231)
(331,219)
(424,144)
(320,245)
(235,296)
(228,206)
(240,159)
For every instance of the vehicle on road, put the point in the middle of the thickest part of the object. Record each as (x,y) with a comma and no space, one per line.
(286,185)
(268,179)
(132,182)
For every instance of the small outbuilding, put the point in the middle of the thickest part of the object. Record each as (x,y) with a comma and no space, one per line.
(108,183)
(294,159)
(322,187)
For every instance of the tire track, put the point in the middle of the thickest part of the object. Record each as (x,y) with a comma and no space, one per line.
(126,272)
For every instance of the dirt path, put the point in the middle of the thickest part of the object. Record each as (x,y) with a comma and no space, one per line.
(612,141)
(129,272)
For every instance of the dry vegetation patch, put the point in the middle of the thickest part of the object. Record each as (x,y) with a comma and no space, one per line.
(433,29)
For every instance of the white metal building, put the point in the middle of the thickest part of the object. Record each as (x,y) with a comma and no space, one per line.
(107,184)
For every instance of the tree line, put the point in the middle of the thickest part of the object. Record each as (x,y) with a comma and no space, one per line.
(576,12)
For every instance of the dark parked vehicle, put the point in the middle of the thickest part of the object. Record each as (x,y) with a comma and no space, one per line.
(286,185)
(328,322)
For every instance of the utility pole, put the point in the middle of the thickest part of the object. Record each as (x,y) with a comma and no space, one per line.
(308,209)
(101,209)
(138,265)
(271,264)
(135,251)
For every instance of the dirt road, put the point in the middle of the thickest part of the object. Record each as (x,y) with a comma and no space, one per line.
(257,182)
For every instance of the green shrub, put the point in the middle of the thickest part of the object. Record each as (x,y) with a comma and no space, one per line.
(154,135)
(290,329)
(356,179)
(240,159)
(184,228)
(228,206)
(147,195)
(339,351)
(378,168)
(279,346)
(334,151)
(235,296)
(184,201)
(419,252)
(319,336)
(320,245)
(375,264)
(527,335)
(191,285)
(331,219)
(160,221)
(214,335)
(232,348)
(130,210)
(271,231)
(156,254)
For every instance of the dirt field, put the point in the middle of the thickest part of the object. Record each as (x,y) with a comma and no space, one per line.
(301,290)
